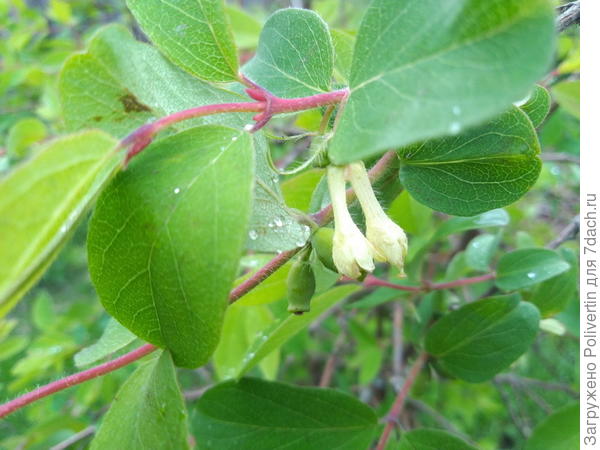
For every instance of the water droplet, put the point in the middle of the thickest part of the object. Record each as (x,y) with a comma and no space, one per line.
(300,243)
(233,139)
(248,127)
(63,229)
(279,251)
(253,235)
(456,110)
(555,171)
(176,191)
(180,28)
(454,128)
(278,222)
(531,275)
(250,355)
(270,224)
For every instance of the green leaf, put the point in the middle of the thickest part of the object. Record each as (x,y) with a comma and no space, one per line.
(120,84)
(43,314)
(486,167)
(273,226)
(294,56)
(480,251)
(242,327)
(279,333)
(411,215)
(425,439)
(114,338)
(246,29)
(430,68)
(528,266)
(560,431)
(12,345)
(23,135)
(42,200)
(166,238)
(566,94)
(343,44)
(148,412)
(537,105)
(552,296)
(278,415)
(483,338)
(297,191)
(194,34)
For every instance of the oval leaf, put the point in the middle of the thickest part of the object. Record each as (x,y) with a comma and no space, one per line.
(194,34)
(424,69)
(482,338)
(42,200)
(294,56)
(486,167)
(528,266)
(166,237)
(553,295)
(148,412)
(278,415)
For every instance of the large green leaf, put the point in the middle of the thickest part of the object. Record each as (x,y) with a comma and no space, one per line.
(430,68)
(528,266)
(194,34)
(120,84)
(482,338)
(424,439)
(294,56)
(256,414)
(166,237)
(280,332)
(148,412)
(486,167)
(42,200)
(560,431)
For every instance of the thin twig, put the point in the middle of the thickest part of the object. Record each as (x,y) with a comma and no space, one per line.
(75,379)
(398,404)
(516,380)
(397,344)
(566,234)
(568,15)
(86,432)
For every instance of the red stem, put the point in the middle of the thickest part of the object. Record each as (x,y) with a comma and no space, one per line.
(396,409)
(267,105)
(371,280)
(75,379)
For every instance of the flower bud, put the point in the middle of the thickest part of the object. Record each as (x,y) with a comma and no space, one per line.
(352,253)
(388,239)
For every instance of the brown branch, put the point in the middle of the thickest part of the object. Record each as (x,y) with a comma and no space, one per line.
(567,15)
(398,404)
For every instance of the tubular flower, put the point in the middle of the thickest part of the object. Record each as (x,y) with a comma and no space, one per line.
(387,238)
(352,252)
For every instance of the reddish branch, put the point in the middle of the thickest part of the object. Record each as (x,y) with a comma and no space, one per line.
(75,379)
(371,280)
(267,105)
(394,414)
